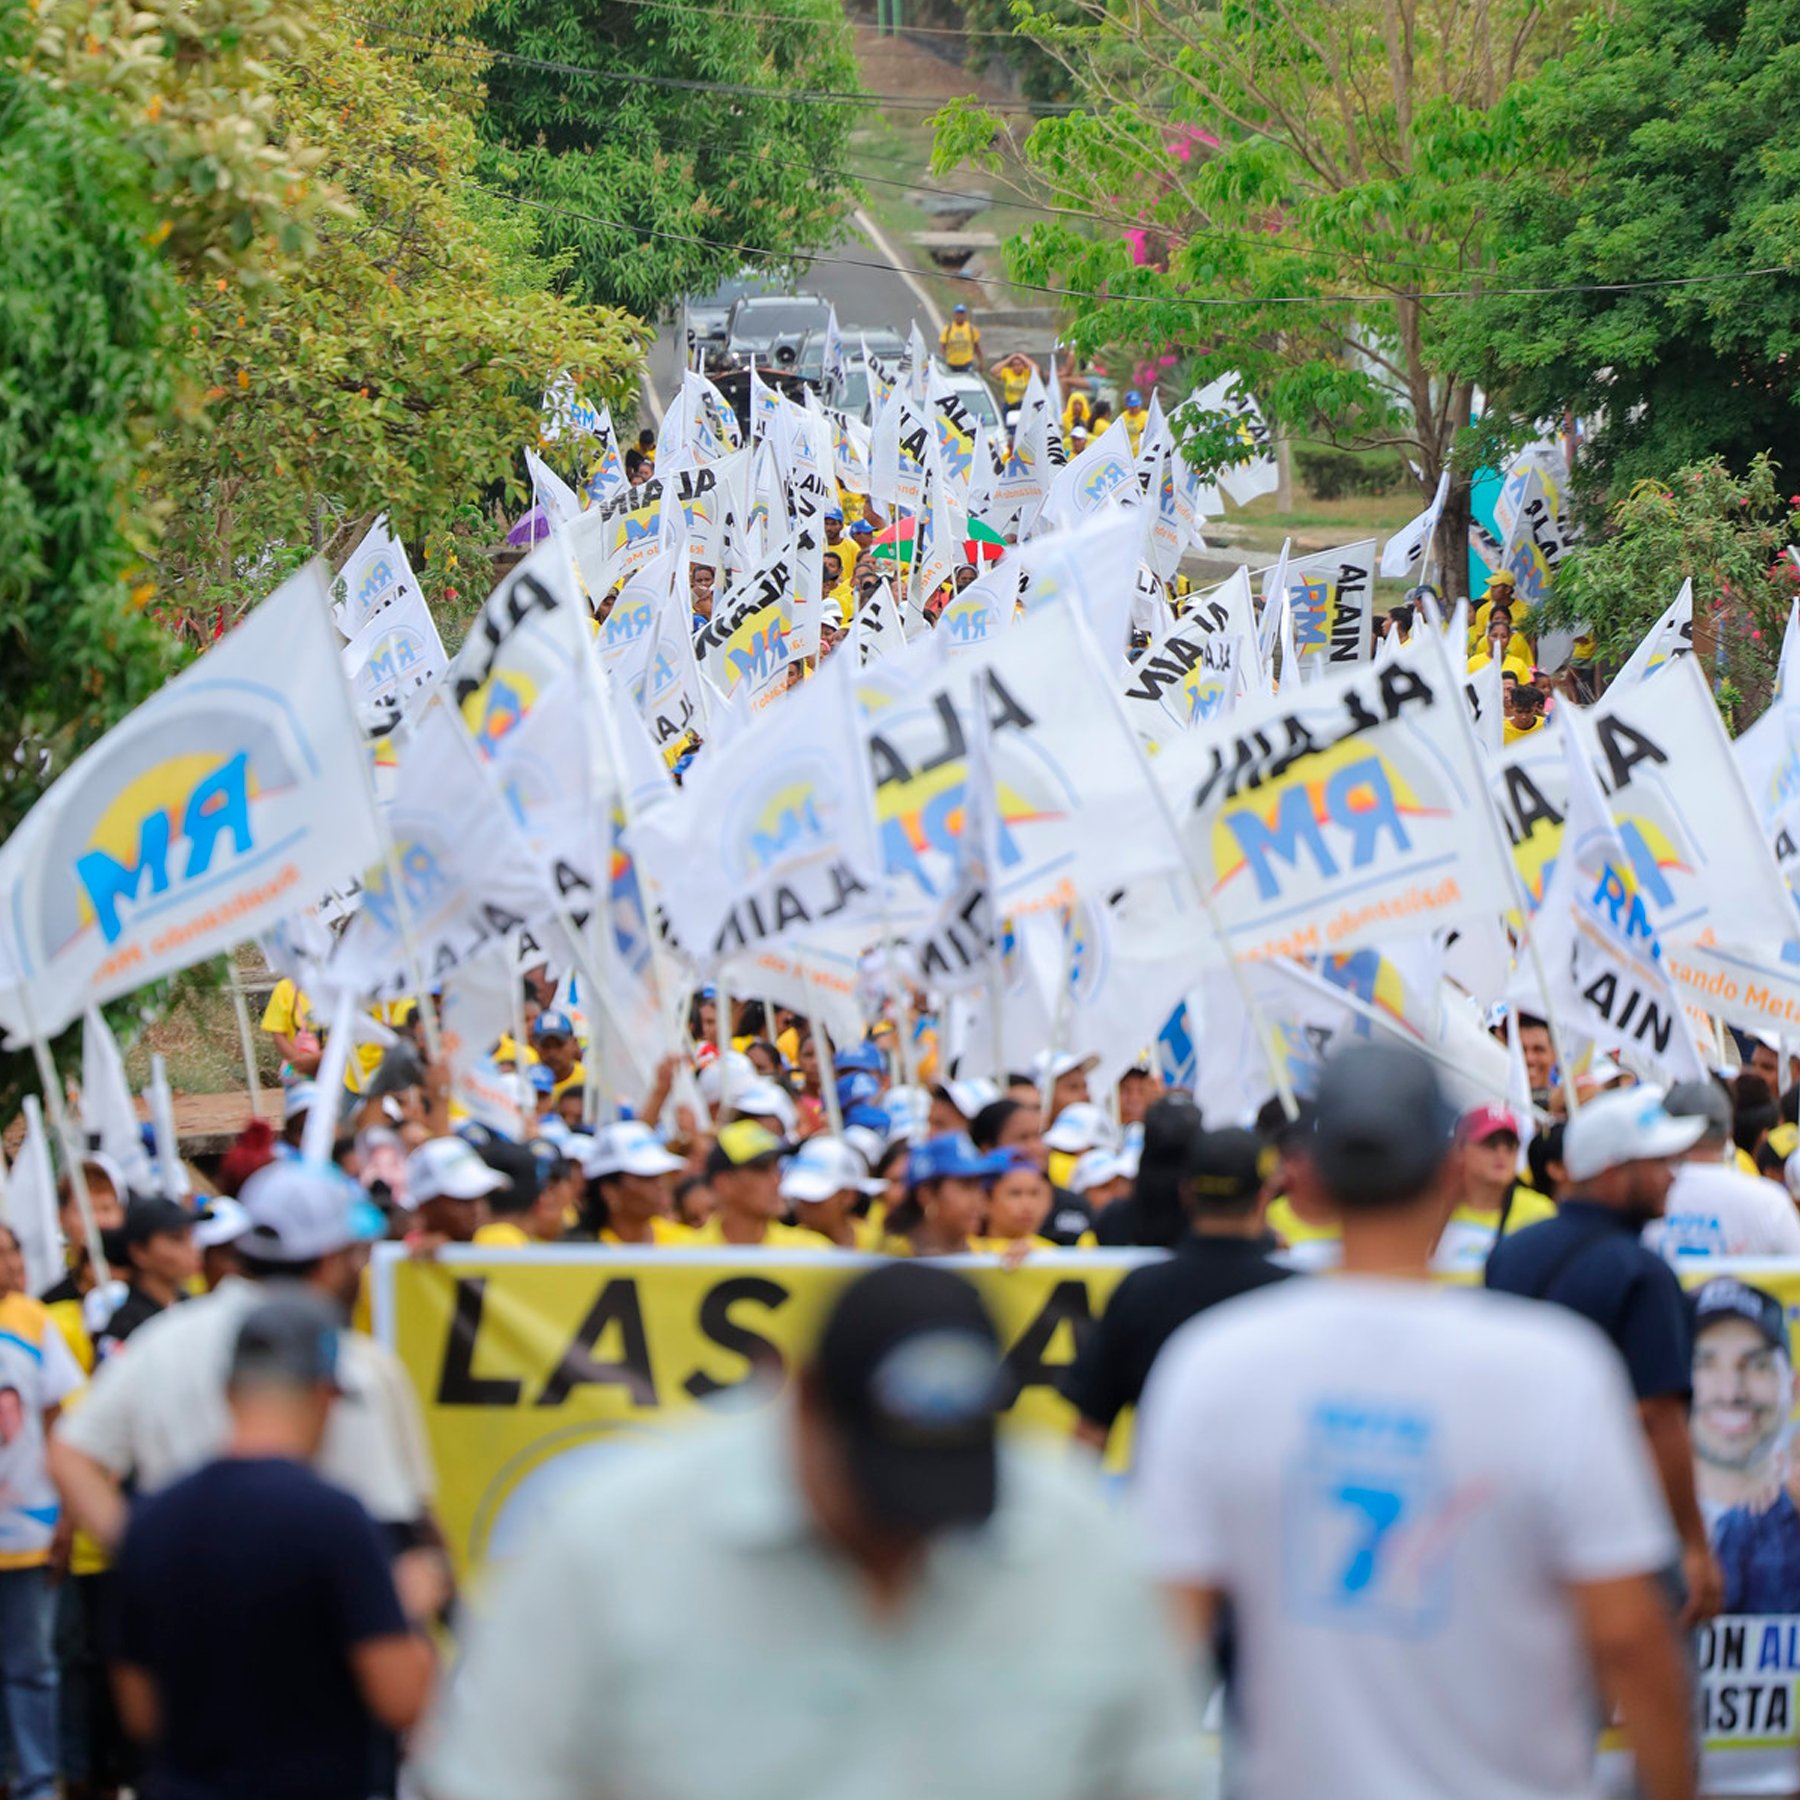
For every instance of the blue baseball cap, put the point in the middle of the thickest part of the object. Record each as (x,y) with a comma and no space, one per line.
(951,1157)
(553,1024)
(1134,398)
(865,1057)
(869,1118)
(856,1087)
(834,512)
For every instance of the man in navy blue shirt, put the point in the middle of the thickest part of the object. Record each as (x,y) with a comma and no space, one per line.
(261,1637)
(1618,1152)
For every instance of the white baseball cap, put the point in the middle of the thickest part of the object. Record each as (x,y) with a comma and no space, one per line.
(301,1211)
(1082,1126)
(764,1099)
(970,1096)
(628,1147)
(298,1097)
(1625,1125)
(1066,1064)
(223,1222)
(1096,1168)
(711,1079)
(909,1112)
(824,1166)
(447,1168)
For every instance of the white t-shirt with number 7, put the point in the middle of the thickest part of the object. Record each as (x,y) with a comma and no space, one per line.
(1395,1484)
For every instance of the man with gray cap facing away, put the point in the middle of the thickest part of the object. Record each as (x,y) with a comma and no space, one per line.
(1714,1208)
(855,1590)
(1618,1152)
(261,1636)
(1428,1508)
(159,1411)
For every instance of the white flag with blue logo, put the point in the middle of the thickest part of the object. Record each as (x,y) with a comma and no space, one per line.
(396,657)
(1344,812)
(1670,638)
(233,796)
(376,575)
(776,840)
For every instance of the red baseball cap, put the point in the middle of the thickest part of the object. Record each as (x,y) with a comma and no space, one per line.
(1486,1122)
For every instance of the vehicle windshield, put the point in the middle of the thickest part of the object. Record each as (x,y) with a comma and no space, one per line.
(777,318)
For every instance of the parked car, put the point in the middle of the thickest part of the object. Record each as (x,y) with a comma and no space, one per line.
(770,328)
(851,395)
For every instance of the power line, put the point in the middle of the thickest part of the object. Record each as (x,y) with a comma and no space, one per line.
(683,84)
(442,47)
(1201,302)
(720,12)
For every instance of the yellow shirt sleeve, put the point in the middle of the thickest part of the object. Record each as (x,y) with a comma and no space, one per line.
(281,1016)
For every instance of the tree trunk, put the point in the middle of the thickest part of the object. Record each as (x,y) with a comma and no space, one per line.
(1451,559)
(1284,474)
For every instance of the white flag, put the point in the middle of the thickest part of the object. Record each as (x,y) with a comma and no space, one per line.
(31,1204)
(231,797)
(1403,551)
(376,575)
(773,841)
(1255,473)
(1669,639)
(396,657)
(1330,599)
(107,1115)
(1598,946)
(1339,814)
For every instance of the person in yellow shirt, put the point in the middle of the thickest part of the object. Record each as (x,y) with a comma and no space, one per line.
(1136,416)
(826,1182)
(960,341)
(559,1050)
(1494,1203)
(529,1211)
(1524,712)
(744,1172)
(1076,414)
(1014,374)
(288,1019)
(946,1198)
(1018,1203)
(1501,589)
(1503,647)
(447,1188)
(630,1194)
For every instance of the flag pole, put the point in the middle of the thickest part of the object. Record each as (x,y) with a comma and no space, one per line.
(65,1132)
(246,1040)
(1059,1015)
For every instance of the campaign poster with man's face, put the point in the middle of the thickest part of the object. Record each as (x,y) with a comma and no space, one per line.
(1743,1426)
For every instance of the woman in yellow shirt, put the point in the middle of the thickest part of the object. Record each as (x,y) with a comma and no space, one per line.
(946,1198)
(630,1192)
(1018,1204)
(826,1182)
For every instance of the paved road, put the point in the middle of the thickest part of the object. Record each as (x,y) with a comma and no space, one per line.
(862,296)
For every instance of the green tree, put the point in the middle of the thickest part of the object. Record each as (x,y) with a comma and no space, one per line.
(1043,76)
(1665,144)
(400,368)
(576,125)
(137,152)
(1724,532)
(1313,177)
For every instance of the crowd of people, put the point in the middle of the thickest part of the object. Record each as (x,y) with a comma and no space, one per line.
(199,1383)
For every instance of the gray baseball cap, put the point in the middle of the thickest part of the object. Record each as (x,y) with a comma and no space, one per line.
(1700,1100)
(1381,1127)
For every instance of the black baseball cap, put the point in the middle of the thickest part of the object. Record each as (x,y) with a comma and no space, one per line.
(1226,1167)
(1381,1124)
(1725,1297)
(289,1342)
(155,1214)
(908,1370)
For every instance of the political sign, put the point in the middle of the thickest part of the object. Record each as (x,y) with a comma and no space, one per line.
(396,657)
(1331,816)
(375,575)
(231,797)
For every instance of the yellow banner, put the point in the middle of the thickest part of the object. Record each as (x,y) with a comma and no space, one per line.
(530,1364)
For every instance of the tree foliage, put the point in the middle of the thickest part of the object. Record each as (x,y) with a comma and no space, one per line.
(1043,76)
(658,191)
(1724,532)
(1313,178)
(1666,143)
(402,367)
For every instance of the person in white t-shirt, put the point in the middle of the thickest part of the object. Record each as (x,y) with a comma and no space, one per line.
(1714,1209)
(159,1410)
(1430,1510)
